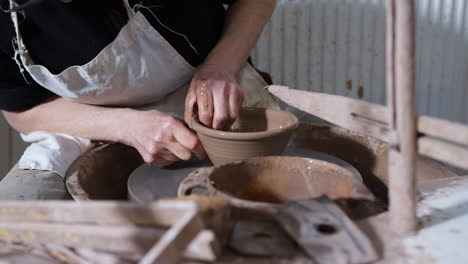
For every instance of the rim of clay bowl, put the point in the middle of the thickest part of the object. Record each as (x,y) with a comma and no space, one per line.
(199,128)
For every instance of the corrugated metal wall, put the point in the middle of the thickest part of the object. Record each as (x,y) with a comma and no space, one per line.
(338,47)
(442,58)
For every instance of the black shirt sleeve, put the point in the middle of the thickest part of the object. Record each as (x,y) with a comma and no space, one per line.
(15,93)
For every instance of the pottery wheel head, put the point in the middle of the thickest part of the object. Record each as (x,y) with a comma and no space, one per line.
(149,183)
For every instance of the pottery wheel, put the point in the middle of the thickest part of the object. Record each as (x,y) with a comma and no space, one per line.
(149,183)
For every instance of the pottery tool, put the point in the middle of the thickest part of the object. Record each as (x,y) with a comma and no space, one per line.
(168,229)
(325,232)
(439,139)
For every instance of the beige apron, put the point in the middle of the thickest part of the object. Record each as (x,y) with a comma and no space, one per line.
(138,68)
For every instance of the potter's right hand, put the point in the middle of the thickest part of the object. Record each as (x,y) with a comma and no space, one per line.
(160,138)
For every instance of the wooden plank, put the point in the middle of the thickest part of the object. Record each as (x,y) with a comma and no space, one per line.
(131,239)
(346,112)
(91,224)
(432,186)
(393,154)
(179,237)
(161,213)
(352,114)
(170,247)
(115,238)
(370,119)
(402,169)
(444,129)
(390,63)
(450,153)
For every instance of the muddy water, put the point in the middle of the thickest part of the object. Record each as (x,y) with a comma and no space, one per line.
(285,179)
(298,188)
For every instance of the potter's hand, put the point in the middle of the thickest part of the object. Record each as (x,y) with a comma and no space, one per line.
(219,105)
(215,95)
(160,138)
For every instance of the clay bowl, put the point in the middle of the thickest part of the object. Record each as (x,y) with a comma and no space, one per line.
(257,132)
(262,184)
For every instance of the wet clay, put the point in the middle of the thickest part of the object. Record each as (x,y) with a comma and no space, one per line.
(257,132)
(279,180)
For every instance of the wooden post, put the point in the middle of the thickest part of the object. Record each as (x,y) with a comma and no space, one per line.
(402,158)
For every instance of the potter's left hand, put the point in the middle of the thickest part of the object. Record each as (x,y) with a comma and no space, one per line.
(215,95)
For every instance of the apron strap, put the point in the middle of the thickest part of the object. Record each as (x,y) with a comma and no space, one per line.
(19,49)
(130,11)
(14,18)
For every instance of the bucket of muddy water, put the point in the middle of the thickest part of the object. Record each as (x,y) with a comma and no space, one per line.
(262,184)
